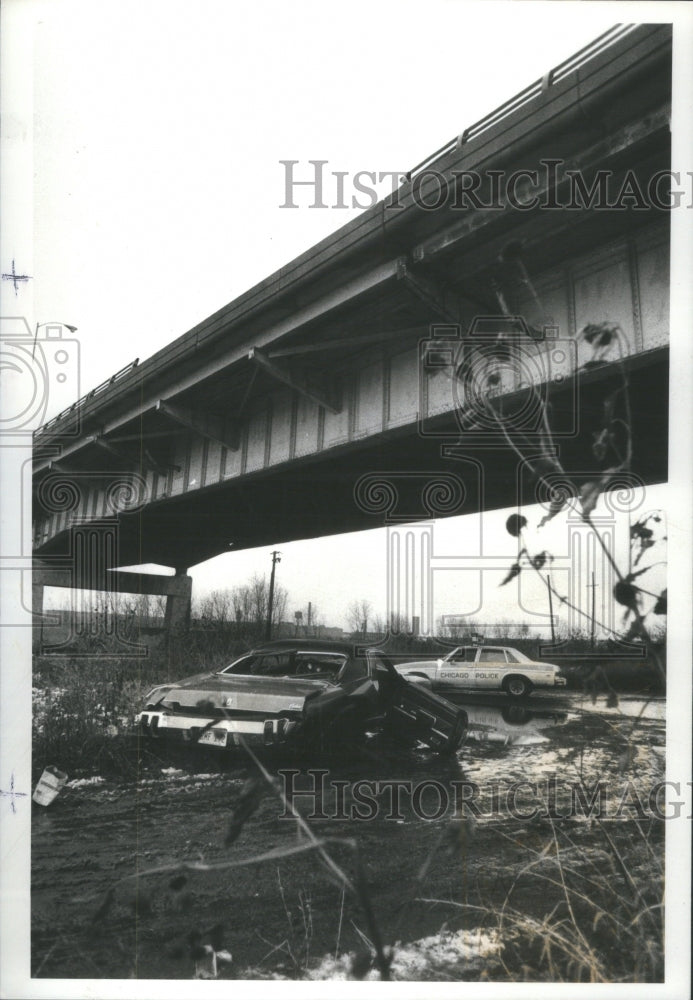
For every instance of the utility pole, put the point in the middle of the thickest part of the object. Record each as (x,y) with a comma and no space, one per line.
(276,557)
(553,626)
(592,586)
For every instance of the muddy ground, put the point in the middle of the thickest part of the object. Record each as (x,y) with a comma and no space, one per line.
(483,866)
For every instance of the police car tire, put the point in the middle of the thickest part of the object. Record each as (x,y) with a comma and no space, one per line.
(517,687)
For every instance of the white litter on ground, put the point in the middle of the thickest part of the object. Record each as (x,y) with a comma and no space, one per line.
(656,708)
(446,955)
(83,782)
(175,774)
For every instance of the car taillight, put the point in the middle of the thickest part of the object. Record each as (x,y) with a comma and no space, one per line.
(149,724)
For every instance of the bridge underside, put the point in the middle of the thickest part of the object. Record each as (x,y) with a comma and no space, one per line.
(436,473)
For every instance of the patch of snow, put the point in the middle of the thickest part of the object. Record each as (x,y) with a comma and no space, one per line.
(83,782)
(451,952)
(650,710)
(175,775)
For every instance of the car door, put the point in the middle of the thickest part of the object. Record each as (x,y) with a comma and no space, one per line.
(351,697)
(412,712)
(457,669)
(490,667)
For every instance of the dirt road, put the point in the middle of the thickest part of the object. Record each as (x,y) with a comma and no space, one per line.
(135,879)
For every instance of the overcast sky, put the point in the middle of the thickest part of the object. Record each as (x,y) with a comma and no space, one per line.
(159,128)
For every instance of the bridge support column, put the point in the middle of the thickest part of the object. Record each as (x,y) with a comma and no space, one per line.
(44,575)
(176,589)
(178,602)
(36,596)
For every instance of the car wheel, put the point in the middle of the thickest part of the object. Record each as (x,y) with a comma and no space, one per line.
(517,687)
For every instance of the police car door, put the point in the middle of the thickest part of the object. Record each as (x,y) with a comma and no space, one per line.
(457,669)
(490,667)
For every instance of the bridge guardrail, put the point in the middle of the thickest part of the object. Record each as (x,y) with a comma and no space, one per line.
(530,92)
(74,407)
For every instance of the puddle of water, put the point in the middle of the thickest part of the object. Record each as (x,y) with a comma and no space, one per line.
(561,755)
(630,707)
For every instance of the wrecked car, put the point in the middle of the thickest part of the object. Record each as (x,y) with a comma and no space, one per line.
(302,692)
(488,668)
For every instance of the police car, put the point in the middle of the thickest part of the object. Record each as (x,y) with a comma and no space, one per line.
(487,668)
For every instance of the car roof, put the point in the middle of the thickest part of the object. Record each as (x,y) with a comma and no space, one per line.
(308,644)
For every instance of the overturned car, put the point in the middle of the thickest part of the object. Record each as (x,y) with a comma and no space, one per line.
(303,692)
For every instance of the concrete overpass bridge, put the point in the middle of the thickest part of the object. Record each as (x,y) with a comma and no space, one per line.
(282,415)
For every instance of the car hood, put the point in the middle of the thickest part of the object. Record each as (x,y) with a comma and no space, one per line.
(416,663)
(231,693)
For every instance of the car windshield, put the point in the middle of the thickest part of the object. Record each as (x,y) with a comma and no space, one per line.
(463,654)
(243,665)
(286,663)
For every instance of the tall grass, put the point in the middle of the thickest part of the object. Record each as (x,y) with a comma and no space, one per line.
(607,922)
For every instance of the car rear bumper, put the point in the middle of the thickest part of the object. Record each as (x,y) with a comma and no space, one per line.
(220,733)
(560,681)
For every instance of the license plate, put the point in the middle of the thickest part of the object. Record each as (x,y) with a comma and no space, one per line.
(214,737)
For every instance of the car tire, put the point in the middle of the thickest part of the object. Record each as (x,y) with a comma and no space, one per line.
(516,686)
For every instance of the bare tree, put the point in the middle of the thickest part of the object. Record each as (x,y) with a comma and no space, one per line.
(246,603)
(358,615)
(281,598)
(241,602)
(400,624)
(459,631)
(258,600)
(216,606)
